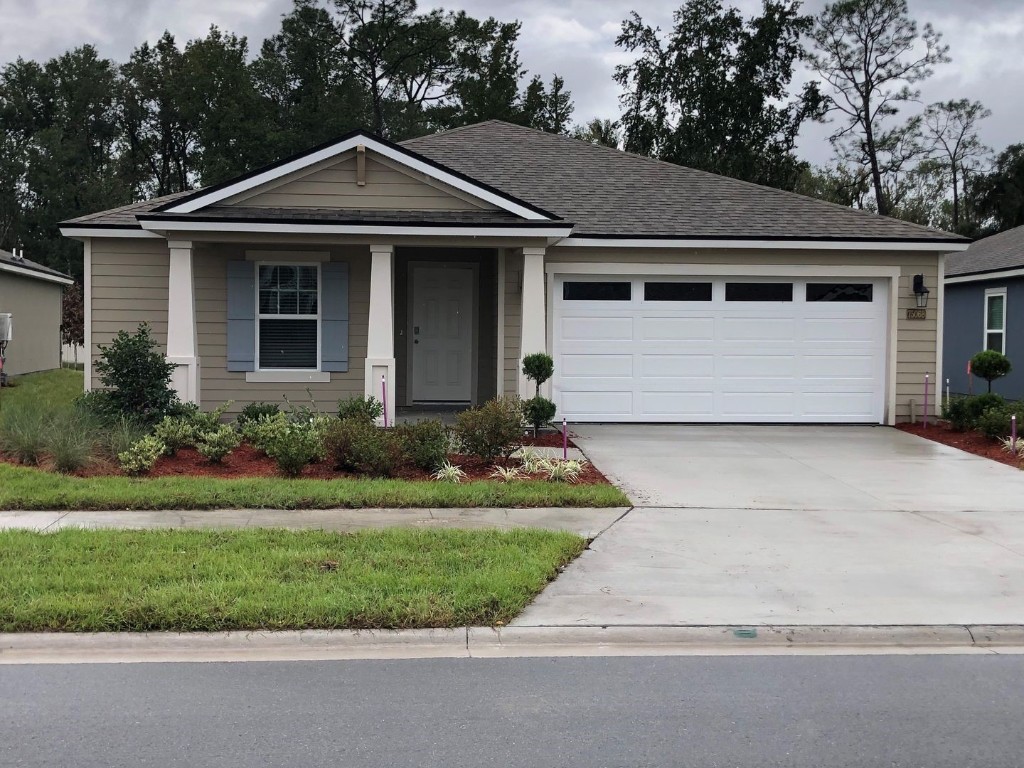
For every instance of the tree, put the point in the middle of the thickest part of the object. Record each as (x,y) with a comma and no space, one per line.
(840,184)
(714,92)
(72,317)
(952,126)
(547,110)
(990,365)
(604,133)
(998,197)
(870,53)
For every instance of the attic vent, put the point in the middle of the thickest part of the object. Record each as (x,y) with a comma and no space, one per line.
(361,165)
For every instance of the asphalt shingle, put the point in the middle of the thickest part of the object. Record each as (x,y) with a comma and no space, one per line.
(1002,251)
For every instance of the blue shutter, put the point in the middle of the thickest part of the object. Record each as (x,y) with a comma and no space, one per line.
(334,316)
(241,316)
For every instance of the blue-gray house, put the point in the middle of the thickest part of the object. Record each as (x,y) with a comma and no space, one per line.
(984,297)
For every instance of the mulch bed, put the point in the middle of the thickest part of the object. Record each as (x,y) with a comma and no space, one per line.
(547,440)
(972,441)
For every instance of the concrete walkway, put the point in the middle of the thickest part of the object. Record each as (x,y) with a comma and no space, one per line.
(586,522)
(795,526)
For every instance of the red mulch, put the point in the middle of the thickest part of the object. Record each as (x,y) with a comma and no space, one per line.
(972,442)
(547,440)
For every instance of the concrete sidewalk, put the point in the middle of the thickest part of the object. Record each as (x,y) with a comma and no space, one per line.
(586,522)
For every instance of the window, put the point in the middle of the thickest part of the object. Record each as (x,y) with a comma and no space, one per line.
(839,291)
(594,291)
(995,319)
(758,291)
(677,291)
(288,321)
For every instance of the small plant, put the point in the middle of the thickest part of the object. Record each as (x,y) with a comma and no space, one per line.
(71,440)
(425,443)
(141,456)
(175,432)
(1013,445)
(293,447)
(493,430)
(24,432)
(201,421)
(538,368)
(997,421)
(118,435)
(137,375)
(360,446)
(562,470)
(538,411)
(254,411)
(530,461)
(963,413)
(990,365)
(449,473)
(362,408)
(263,430)
(507,474)
(214,446)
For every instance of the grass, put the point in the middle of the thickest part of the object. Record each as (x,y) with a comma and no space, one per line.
(51,389)
(27,488)
(115,581)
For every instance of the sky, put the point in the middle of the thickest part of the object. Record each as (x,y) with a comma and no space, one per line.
(573,38)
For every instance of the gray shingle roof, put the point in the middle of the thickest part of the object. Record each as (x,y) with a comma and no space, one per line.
(125,215)
(998,252)
(6,257)
(344,216)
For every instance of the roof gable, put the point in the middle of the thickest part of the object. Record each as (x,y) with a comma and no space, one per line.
(991,254)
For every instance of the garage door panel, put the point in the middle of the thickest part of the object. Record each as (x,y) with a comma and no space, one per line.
(751,406)
(676,366)
(677,328)
(757,329)
(577,403)
(600,365)
(836,404)
(596,328)
(756,366)
(829,366)
(753,385)
(678,404)
(843,330)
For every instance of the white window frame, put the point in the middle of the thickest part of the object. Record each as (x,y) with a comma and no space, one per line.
(989,293)
(260,316)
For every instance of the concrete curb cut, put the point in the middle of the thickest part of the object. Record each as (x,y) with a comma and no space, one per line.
(504,642)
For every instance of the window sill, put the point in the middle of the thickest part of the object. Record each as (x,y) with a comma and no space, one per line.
(287,377)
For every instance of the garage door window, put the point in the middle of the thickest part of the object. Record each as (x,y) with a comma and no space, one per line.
(594,291)
(839,291)
(677,291)
(758,291)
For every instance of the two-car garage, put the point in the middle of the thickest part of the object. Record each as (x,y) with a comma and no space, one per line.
(720,349)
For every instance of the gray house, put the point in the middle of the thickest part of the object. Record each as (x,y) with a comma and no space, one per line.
(985,310)
(32,294)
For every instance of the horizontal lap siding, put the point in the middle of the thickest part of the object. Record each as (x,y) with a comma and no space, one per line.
(35,317)
(513,316)
(915,339)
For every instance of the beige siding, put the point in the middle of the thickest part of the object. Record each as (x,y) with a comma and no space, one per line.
(129,286)
(333,185)
(35,308)
(512,285)
(915,339)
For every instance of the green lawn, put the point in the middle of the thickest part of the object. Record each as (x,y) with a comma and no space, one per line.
(110,581)
(52,389)
(27,488)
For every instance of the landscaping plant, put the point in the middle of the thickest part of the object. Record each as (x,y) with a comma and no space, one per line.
(253,411)
(506,474)
(118,434)
(538,411)
(141,456)
(449,473)
(24,431)
(964,412)
(137,375)
(996,422)
(71,440)
(493,430)
(990,365)
(175,432)
(214,446)
(362,408)
(360,446)
(293,447)
(425,443)
(1013,445)
(562,470)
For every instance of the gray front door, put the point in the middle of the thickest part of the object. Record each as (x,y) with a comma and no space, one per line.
(442,333)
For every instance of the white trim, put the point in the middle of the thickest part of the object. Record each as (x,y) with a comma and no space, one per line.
(164,225)
(817,245)
(1002,274)
(533,335)
(78,233)
(380,333)
(282,376)
(893,346)
(287,257)
(341,147)
(87,306)
(989,293)
(25,272)
(940,312)
(500,385)
(725,270)
(182,337)
(262,316)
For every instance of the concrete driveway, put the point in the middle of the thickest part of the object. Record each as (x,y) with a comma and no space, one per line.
(795,525)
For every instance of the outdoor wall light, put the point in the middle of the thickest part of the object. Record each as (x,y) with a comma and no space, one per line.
(920,292)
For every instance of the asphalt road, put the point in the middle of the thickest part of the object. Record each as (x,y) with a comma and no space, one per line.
(927,711)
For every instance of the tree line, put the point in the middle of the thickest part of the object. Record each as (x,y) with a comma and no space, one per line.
(716,91)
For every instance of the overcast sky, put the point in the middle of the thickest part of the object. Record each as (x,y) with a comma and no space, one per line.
(574,38)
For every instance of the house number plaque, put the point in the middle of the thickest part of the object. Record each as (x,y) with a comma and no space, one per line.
(917,314)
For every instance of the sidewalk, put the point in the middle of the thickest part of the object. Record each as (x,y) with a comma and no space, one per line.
(585,522)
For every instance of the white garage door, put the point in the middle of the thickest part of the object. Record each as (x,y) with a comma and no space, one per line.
(719,349)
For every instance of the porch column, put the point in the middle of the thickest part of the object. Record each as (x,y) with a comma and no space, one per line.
(182,344)
(533,329)
(380,338)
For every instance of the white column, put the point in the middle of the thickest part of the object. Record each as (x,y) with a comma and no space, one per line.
(380,338)
(182,344)
(87,302)
(533,329)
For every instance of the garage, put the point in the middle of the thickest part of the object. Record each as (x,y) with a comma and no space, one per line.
(720,349)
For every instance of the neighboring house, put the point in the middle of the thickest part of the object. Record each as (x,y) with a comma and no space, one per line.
(433,266)
(32,294)
(985,310)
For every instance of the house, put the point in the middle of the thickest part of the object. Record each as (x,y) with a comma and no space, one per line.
(31,294)
(425,271)
(984,288)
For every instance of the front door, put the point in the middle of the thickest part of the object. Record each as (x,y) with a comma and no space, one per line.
(442,333)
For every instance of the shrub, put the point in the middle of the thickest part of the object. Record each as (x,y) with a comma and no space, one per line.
(100,403)
(964,412)
(175,432)
(990,365)
(538,411)
(996,422)
(24,432)
(363,408)
(261,431)
(201,421)
(71,440)
(118,435)
(141,456)
(214,446)
(492,430)
(292,446)
(538,368)
(360,446)
(507,474)
(449,473)
(425,443)
(253,411)
(562,470)
(138,377)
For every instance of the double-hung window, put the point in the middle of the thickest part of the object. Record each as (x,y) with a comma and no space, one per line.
(288,317)
(995,319)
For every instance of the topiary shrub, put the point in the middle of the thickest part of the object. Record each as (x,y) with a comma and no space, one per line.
(214,446)
(360,446)
(990,365)
(137,376)
(362,408)
(492,430)
(538,411)
(141,456)
(254,411)
(425,443)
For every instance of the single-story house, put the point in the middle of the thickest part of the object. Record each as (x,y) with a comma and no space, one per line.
(31,294)
(427,269)
(985,310)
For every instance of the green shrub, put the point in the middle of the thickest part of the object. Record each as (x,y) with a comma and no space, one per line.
(100,403)
(253,411)
(964,412)
(293,447)
(990,365)
(118,434)
(141,456)
(261,431)
(24,432)
(137,375)
(538,368)
(71,440)
(997,422)
(492,430)
(425,443)
(214,446)
(175,432)
(363,408)
(538,411)
(201,421)
(361,446)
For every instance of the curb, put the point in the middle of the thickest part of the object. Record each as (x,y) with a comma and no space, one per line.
(504,642)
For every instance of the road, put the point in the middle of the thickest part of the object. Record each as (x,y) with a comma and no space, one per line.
(835,711)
